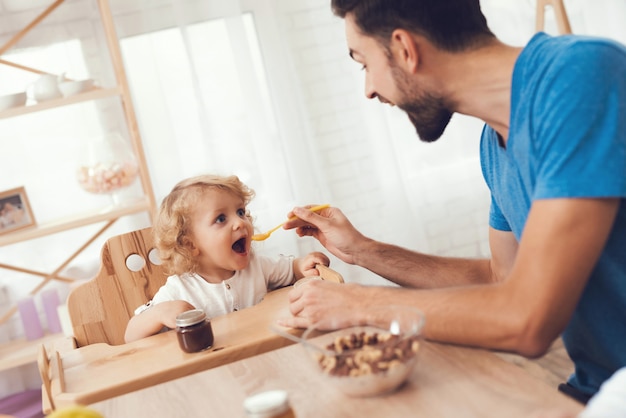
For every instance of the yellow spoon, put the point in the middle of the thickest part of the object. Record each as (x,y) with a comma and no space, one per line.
(266,235)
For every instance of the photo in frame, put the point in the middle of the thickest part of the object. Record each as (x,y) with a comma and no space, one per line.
(15,211)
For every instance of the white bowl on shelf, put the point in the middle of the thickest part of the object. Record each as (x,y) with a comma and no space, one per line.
(12,100)
(72,87)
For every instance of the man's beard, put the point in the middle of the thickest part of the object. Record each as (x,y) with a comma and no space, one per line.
(428,114)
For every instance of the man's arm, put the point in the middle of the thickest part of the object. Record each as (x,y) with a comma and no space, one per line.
(412,269)
(402,266)
(560,245)
(525,312)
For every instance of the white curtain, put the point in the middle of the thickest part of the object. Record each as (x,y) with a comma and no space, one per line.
(209,101)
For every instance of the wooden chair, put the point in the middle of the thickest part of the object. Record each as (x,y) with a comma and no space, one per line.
(43,364)
(129,276)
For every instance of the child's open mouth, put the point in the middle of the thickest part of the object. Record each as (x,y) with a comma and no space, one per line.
(240,246)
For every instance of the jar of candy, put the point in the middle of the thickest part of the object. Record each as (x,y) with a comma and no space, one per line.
(108,165)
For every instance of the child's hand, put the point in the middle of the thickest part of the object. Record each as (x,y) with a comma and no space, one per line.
(170,310)
(152,320)
(306,266)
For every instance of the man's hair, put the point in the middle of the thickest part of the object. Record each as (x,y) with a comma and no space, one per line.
(451,25)
(172,226)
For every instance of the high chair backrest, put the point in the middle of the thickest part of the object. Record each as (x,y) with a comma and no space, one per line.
(129,276)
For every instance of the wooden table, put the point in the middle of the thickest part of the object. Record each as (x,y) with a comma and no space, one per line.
(449,381)
(100,371)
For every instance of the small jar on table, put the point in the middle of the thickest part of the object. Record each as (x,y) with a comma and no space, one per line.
(194,331)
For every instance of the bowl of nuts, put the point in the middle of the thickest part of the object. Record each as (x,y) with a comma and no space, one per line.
(371,359)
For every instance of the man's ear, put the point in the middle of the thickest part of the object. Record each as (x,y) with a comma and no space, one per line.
(405,50)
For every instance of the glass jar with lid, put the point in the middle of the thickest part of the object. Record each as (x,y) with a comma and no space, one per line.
(107,166)
(194,331)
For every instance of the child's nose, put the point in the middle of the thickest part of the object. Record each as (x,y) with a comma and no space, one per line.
(238,223)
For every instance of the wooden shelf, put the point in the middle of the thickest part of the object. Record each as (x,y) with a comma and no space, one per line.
(76,221)
(108,215)
(95,94)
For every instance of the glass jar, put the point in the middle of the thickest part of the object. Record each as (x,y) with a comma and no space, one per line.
(194,331)
(108,165)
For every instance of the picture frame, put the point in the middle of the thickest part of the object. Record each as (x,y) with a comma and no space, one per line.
(15,210)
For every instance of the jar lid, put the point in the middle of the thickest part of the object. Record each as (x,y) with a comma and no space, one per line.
(191,317)
(266,404)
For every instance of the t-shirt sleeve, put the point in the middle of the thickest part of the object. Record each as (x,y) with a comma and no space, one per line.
(581,125)
(489,166)
(496,218)
(278,272)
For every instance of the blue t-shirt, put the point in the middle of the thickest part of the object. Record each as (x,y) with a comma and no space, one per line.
(567,138)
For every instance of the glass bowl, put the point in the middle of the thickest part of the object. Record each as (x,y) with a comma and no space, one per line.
(108,165)
(371,359)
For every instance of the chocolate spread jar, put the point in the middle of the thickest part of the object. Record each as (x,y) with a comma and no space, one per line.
(194,331)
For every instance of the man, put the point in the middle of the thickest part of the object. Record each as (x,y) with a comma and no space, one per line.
(553,153)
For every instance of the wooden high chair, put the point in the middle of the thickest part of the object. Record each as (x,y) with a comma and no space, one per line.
(83,371)
(129,276)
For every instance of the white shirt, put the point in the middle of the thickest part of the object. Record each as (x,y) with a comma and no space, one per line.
(244,289)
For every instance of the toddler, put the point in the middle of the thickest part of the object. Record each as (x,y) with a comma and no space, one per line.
(203,233)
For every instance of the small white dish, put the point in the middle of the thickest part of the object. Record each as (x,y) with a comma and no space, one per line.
(72,87)
(12,100)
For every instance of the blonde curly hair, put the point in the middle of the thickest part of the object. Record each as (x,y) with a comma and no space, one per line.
(172,226)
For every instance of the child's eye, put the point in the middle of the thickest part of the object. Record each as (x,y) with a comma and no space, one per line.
(220,219)
(241,212)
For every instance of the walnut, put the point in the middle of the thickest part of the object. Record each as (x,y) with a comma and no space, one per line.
(372,353)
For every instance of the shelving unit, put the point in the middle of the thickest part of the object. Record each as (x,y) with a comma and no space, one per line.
(107,216)
(98,93)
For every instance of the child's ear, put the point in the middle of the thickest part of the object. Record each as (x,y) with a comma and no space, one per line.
(191,247)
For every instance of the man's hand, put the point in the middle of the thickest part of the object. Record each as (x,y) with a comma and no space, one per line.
(331,228)
(330,305)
